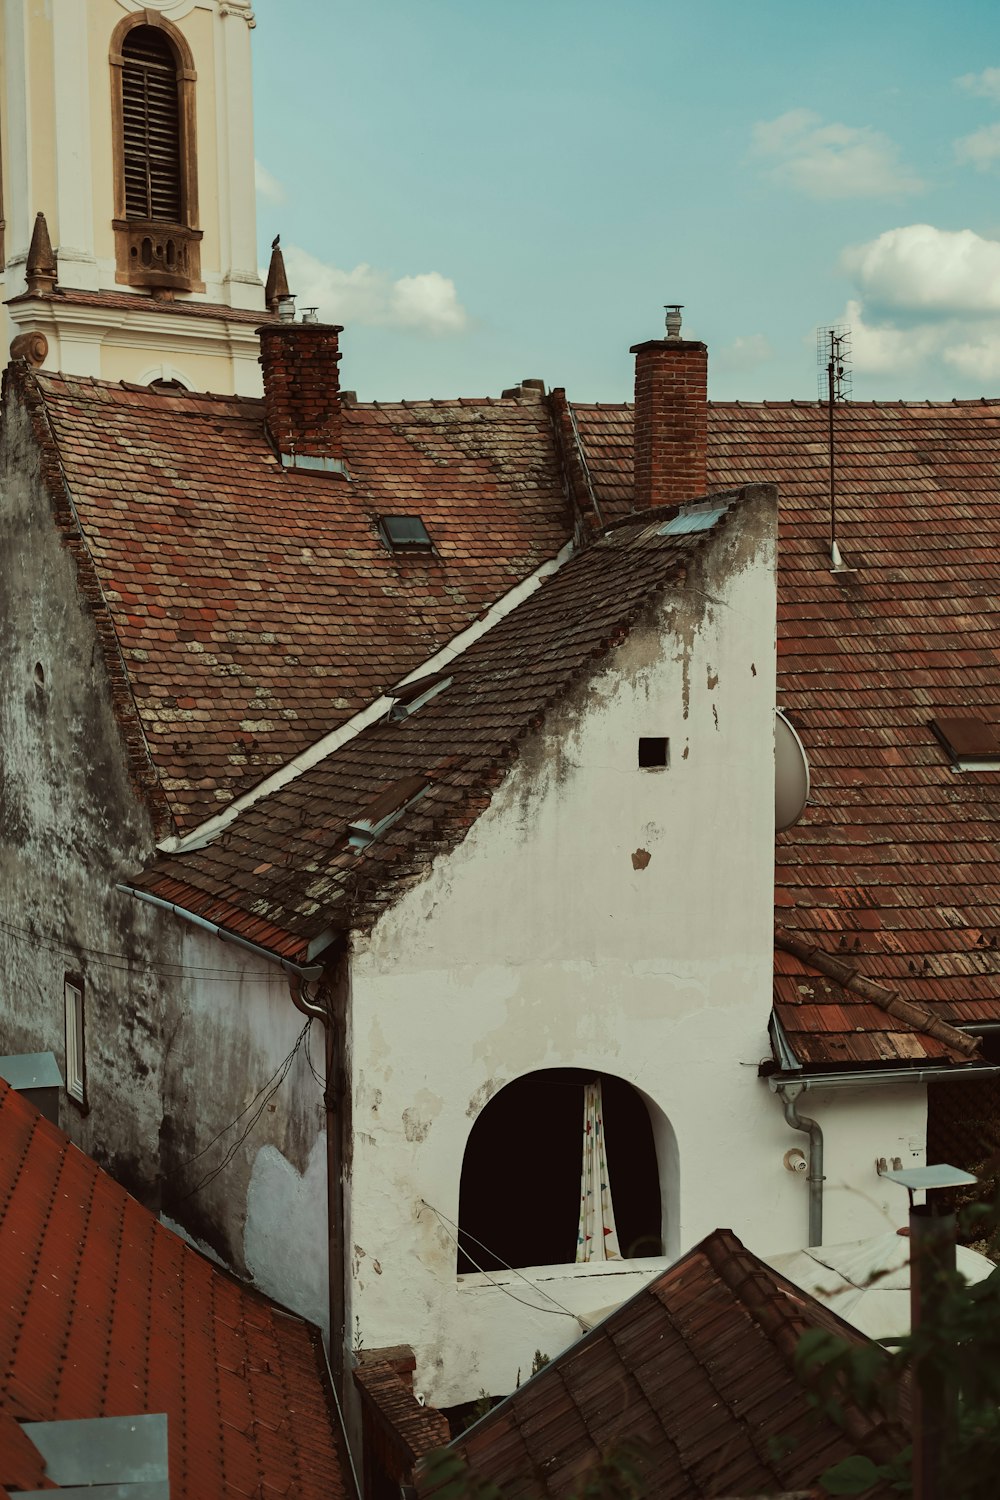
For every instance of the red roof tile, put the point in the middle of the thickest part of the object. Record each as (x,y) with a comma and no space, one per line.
(286,861)
(700,1368)
(254,608)
(107,1313)
(21,1465)
(894,863)
(830,1015)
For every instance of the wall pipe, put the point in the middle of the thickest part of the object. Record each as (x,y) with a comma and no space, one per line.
(300,971)
(328,1006)
(789,1093)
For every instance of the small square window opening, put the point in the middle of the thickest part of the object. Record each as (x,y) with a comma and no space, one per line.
(75,1062)
(654,752)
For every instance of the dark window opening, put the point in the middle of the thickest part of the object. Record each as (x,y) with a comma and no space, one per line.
(654,752)
(404,534)
(151,133)
(520,1192)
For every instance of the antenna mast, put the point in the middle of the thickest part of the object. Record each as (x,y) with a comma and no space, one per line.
(833,351)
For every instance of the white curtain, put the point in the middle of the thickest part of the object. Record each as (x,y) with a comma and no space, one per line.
(597,1237)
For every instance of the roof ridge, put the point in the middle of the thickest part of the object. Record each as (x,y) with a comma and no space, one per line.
(911,1011)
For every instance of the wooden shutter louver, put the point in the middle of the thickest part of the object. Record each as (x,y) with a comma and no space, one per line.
(151,128)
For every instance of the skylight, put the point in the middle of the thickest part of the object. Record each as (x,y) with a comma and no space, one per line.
(971,743)
(701,516)
(409,696)
(384,810)
(404,534)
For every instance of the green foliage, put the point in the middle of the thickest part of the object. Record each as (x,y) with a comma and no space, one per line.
(620,1474)
(450,1473)
(957,1346)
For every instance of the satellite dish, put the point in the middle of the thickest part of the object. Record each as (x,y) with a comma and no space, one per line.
(791,774)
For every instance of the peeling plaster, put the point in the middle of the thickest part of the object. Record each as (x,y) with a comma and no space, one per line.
(284,1260)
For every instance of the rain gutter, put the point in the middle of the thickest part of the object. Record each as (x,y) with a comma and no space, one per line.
(300,971)
(955,1073)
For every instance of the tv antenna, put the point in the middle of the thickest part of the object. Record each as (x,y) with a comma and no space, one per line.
(833,356)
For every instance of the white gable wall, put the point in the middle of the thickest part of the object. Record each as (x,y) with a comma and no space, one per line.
(541,942)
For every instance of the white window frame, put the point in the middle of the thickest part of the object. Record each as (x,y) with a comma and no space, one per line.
(76,1066)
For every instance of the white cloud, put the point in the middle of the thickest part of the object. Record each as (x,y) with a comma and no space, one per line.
(920,269)
(928,297)
(745,352)
(986,84)
(832,160)
(428,301)
(268,186)
(981,149)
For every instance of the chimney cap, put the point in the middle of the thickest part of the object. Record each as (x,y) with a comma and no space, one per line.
(673,311)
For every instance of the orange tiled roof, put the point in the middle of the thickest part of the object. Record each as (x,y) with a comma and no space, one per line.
(255,608)
(895,861)
(285,871)
(106,1313)
(699,1368)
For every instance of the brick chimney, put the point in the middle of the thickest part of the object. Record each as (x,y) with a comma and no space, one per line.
(302,394)
(671,418)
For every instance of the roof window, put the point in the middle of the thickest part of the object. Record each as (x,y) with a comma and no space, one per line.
(409,696)
(383,812)
(404,534)
(701,516)
(971,743)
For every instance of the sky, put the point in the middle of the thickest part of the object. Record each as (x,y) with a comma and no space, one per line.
(487,192)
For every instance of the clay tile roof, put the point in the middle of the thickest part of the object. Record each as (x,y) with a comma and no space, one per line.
(699,1368)
(284,865)
(21,1465)
(894,863)
(254,608)
(107,1313)
(830,1014)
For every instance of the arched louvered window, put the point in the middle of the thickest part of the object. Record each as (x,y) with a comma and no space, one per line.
(151,145)
(156,183)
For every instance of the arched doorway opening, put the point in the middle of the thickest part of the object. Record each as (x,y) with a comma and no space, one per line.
(521,1175)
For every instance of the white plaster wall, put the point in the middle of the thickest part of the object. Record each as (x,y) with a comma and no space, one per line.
(537,944)
(181,1031)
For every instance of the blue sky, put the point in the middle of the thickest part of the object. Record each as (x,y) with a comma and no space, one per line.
(486,192)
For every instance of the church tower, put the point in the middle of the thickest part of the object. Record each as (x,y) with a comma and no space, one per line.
(128,243)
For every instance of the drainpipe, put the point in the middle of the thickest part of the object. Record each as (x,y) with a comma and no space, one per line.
(788,1093)
(329,1005)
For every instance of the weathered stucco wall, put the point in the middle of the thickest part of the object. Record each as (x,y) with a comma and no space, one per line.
(549,939)
(182,1031)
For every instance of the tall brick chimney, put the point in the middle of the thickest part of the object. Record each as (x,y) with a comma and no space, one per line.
(302,394)
(671,417)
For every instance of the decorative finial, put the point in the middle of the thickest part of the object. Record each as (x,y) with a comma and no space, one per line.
(41,269)
(34,347)
(276,290)
(673,311)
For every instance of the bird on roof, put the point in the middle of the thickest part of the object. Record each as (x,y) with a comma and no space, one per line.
(276,242)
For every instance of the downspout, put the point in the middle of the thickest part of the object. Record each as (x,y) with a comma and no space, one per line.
(329,1006)
(789,1093)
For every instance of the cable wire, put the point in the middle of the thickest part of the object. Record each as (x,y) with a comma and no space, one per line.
(557,1307)
(271,1088)
(206,972)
